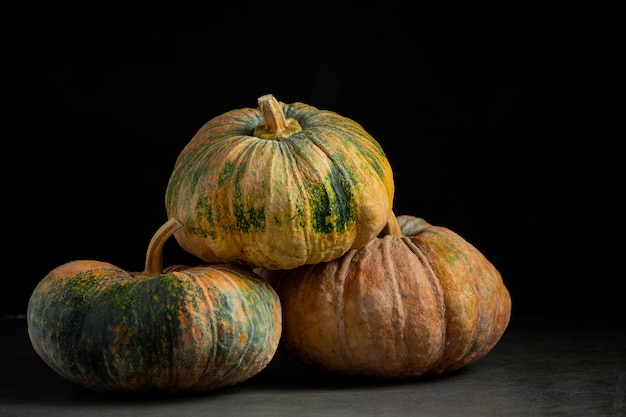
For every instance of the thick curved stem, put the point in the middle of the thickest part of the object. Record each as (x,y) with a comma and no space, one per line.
(154,255)
(275,125)
(272,114)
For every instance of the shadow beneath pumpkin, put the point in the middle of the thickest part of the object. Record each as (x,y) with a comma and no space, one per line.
(25,379)
(285,372)
(541,366)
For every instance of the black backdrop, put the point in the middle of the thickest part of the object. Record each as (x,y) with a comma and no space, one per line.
(490,114)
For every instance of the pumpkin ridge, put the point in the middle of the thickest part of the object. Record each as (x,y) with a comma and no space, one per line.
(247,217)
(478,338)
(296,211)
(481,280)
(232,122)
(327,189)
(362,161)
(350,282)
(399,311)
(347,130)
(254,307)
(333,207)
(467,346)
(208,299)
(247,347)
(493,335)
(440,307)
(230,366)
(343,271)
(456,351)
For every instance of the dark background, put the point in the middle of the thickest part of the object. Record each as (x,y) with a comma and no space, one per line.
(492,115)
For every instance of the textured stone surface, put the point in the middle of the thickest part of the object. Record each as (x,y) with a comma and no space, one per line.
(541,367)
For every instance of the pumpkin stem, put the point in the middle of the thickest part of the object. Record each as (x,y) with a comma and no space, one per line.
(392,228)
(275,125)
(154,256)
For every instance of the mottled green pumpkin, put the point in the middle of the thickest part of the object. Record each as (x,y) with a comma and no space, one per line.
(399,307)
(183,329)
(279,186)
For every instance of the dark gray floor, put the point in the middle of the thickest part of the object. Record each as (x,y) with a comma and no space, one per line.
(541,367)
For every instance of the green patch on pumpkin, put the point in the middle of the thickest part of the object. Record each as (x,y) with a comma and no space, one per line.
(204,211)
(334,207)
(247,219)
(227,174)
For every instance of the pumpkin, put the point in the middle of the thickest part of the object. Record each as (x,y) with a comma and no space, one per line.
(181,329)
(279,186)
(401,306)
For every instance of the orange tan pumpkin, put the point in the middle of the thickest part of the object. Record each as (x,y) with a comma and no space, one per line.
(398,307)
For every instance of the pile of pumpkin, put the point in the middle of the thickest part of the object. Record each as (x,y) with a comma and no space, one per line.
(289,208)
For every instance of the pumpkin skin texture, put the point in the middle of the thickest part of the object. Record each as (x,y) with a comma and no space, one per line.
(399,307)
(187,329)
(247,194)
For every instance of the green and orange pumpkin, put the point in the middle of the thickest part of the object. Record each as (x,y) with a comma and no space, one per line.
(398,307)
(180,329)
(279,186)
